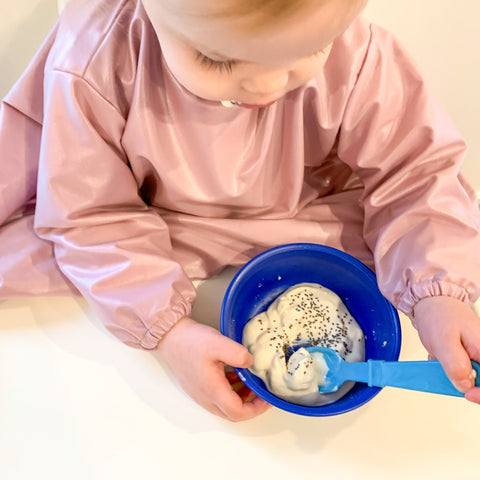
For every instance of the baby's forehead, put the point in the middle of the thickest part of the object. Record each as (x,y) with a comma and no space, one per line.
(259,46)
(235,7)
(252,14)
(207,25)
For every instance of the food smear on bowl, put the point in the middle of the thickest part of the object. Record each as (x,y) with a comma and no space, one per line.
(306,314)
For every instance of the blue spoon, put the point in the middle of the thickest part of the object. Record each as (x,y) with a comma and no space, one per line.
(423,376)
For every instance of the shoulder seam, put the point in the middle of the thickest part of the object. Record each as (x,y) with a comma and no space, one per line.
(102,39)
(83,79)
(21,111)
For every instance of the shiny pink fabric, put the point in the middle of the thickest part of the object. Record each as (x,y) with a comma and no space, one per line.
(118,183)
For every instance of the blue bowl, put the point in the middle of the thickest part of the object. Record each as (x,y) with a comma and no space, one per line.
(269,274)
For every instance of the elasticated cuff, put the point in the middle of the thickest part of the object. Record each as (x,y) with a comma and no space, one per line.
(153,336)
(430,289)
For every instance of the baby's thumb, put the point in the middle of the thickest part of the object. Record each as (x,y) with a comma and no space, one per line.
(458,368)
(234,354)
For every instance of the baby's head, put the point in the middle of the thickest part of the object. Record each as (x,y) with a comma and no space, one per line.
(248,51)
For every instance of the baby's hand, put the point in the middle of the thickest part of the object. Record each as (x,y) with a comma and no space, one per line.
(197,355)
(450,331)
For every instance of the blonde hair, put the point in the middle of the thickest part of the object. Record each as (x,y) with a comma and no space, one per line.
(256,13)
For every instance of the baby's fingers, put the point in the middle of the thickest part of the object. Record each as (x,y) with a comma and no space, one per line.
(235,408)
(473,395)
(238,386)
(451,333)
(457,365)
(471,342)
(238,402)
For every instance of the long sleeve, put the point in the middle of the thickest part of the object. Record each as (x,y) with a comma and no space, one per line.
(421,217)
(107,241)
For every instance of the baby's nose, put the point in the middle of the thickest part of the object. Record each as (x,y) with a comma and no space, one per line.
(266,83)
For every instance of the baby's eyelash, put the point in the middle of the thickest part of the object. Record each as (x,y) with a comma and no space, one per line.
(319,52)
(227,65)
(218,65)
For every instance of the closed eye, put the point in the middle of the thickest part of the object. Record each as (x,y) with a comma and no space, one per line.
(217,65)
(227,65)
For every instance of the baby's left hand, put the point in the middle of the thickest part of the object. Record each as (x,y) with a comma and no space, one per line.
(197,355)
(450,331)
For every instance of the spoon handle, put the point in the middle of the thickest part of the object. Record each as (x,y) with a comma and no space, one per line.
(423,376)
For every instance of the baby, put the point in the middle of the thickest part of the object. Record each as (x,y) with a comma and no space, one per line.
(124,176)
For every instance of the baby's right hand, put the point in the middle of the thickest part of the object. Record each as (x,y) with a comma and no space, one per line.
(450,331)
(197,353)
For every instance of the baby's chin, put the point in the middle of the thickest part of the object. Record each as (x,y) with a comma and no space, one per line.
(229,103)
(236,103)
(232,103)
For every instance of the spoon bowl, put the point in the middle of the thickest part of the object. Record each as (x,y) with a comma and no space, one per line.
(423,376)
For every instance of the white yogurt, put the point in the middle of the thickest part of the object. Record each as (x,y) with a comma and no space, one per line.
(305,314)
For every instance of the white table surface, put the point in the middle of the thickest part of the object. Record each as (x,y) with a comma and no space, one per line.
(77,404)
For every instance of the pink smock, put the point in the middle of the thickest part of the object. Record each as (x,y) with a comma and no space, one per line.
(119,184)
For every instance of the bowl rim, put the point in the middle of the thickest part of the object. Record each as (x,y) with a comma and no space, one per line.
(305,410)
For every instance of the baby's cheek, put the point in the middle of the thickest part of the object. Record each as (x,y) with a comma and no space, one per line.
(308,69)
(208,85)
